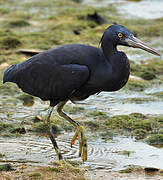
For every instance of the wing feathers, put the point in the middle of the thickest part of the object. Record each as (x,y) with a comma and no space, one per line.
(49,82)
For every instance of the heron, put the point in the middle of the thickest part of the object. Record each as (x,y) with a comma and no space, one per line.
(73,72)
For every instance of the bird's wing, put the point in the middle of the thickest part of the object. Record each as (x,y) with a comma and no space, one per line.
(50,82)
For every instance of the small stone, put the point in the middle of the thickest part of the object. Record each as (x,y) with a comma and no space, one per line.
(37,118)
(4,65)
(151,169)
(6,167)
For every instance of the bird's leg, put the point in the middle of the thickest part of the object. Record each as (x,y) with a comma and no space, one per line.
(80,132)
(51,135)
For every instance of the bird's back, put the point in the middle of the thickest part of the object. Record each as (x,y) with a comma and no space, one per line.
(42,74)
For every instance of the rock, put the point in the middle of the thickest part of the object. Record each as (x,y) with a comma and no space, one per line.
(30,52)
(9,42)
(19,130)
(135,78)
(77,32)
(151,169)
(96,18)
(38,118)
(6,167)
(4,65)
(27,100)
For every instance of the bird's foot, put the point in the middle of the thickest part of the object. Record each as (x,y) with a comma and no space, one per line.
(80,134)
(71,166)
(64,163)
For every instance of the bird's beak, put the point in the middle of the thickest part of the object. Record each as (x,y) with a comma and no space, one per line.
(136,43)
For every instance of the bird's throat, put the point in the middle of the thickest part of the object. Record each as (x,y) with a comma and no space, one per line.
(109,49)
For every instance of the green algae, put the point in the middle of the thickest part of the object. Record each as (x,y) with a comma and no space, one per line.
(35,175)
(140,133)
(18,23)
(138,100)
(41,128)
(157,94)
(60,170)
(144,27)
(71,166)
(130,169)
(59,26)
(121,121)
(137,124)
(53,169)
(58,123)
(6,126)
(93,125)
(73,109)
(147,75)
(5,167)
(2,155)
(8,89)
(107,135)
(137,85)
(9,130)
(127,170)
(134,124)
(149,70)
(97,114)
(4,11)
(155,139)
(10,42)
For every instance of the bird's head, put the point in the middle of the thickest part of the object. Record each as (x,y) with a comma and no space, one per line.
(119,35)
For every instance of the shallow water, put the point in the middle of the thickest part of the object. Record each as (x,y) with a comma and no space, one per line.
(112,157)
(138,55)
(102,155)
(105,155)
(112,103)
(147,9)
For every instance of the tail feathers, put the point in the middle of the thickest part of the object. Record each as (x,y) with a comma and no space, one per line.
(9,74)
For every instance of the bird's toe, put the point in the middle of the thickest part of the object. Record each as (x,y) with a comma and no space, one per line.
(80,134)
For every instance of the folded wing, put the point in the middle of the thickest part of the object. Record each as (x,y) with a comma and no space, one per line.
(47,81)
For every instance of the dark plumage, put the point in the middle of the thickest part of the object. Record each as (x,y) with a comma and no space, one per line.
(71,71)
(74,72)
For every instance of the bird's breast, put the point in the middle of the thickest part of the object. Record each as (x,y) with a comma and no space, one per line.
(120,75)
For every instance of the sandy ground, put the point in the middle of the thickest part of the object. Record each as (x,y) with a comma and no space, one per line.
(140,175)
(27,172)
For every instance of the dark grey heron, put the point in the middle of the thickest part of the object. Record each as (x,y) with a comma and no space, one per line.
(74,72)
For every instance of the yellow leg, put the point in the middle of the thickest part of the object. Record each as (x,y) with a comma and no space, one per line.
(80,132)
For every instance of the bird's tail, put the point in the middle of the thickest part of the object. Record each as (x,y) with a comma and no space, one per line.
(10,74)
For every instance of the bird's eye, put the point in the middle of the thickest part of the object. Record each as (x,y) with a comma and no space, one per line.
(120,35)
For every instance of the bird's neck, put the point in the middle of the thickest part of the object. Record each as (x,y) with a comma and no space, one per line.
(109,49)
(119,64)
